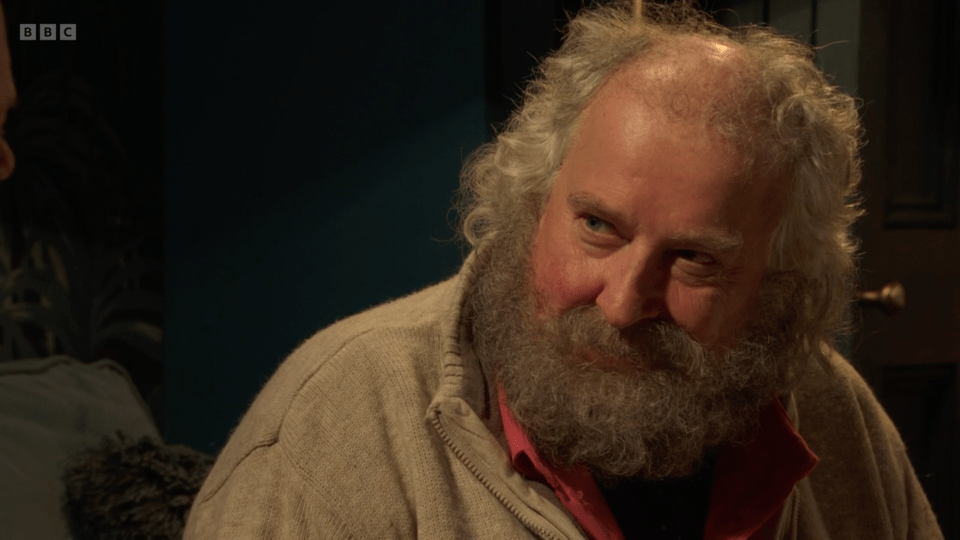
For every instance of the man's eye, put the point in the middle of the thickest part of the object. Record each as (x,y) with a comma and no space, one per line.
(695,256)
(596,224)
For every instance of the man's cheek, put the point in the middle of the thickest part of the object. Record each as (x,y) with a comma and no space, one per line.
(697,311)
(563,283)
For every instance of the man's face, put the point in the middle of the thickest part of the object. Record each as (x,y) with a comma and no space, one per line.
(8,97)
(649,219)
(634,325)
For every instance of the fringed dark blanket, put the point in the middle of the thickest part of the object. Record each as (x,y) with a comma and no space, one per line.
(121,490)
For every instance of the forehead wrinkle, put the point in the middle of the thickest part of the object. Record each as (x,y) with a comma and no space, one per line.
(715,241)
(712,240)
(584,201)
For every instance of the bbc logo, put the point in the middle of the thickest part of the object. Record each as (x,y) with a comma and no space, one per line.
(48,32)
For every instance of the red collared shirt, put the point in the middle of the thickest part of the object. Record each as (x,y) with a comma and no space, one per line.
(750,483)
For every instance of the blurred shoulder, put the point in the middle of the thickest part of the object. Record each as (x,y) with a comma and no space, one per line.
(836,389)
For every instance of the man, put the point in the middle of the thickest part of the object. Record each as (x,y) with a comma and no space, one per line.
(8,98)
(638,347)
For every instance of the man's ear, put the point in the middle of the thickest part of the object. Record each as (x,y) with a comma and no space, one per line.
(7,160)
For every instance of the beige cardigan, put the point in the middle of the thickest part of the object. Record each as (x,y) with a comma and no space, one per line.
(382,426)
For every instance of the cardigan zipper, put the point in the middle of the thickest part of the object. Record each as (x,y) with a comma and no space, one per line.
(476,472)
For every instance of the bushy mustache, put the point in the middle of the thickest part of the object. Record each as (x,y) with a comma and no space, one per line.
(582,333)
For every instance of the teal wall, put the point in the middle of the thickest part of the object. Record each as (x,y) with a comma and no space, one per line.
(311,155)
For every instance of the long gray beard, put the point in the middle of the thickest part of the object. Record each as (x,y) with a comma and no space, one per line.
(654,419)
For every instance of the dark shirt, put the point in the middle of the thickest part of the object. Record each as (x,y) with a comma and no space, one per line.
(671,509)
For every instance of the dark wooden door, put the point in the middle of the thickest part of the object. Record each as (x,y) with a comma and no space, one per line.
(910,84)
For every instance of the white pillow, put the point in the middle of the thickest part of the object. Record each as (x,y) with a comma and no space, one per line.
(50,409)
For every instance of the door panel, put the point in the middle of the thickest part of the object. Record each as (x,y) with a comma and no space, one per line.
(909,75)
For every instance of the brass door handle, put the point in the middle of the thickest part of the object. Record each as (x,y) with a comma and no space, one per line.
(892,297)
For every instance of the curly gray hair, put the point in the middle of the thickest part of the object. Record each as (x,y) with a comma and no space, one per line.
(791,123)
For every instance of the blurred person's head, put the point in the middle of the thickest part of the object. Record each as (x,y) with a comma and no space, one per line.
(8,97)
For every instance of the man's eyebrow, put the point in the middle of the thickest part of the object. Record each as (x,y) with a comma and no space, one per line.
(712,241)
(585,202)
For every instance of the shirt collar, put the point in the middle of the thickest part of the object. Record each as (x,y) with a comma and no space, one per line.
(575,487)
(750,485)
(752,482)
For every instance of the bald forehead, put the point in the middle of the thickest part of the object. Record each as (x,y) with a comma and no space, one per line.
(8,91)
(687,76)
(4,47)
(3,30)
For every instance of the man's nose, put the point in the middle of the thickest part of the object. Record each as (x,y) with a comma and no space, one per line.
(633,289)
